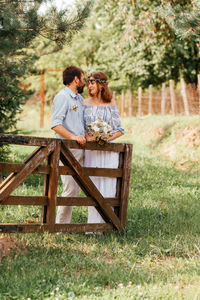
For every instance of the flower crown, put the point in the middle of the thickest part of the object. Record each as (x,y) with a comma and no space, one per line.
(98,80)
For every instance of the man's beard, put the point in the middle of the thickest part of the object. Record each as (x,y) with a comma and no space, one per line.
(80,88)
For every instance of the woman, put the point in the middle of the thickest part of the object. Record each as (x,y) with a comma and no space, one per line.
(100,105)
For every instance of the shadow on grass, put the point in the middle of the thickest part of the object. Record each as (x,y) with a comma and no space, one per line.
(163,222)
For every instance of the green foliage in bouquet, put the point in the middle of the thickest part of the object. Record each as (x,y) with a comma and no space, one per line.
(101,130)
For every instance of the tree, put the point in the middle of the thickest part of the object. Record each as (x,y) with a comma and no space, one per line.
(20,24)
(184,20)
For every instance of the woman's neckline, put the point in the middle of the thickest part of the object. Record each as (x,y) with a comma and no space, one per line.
(100,105)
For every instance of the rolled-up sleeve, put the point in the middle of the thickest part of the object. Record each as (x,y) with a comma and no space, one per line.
(60,108)
(116,122)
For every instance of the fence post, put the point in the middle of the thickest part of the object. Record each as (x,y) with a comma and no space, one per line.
(139,101)
(122,104)
(53,184)
(150,100)
(172,96)
(199,90)
(163,100)
(130,104)
(42,99)
(184,95)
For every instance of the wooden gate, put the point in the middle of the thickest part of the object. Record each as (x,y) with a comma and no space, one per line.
(52,151)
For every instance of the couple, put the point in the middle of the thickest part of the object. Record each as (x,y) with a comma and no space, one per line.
(71,117)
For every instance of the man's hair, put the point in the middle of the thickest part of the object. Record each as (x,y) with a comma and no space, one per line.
(102,85)
(69,74)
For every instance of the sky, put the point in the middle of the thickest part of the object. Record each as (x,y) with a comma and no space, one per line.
(59,4)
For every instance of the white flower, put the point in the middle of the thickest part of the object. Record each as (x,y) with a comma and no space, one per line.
(100,129)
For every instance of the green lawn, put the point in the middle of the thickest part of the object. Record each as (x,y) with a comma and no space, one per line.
(158,256)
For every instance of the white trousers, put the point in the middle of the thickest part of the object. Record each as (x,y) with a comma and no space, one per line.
(70,189)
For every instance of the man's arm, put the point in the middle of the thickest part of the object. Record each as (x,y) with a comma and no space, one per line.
(61,130)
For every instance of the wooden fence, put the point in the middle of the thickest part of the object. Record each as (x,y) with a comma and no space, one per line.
(184,100)
(52,151)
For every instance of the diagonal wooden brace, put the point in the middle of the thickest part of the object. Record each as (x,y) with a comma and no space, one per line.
(89,188)
(10,177)
(31,165)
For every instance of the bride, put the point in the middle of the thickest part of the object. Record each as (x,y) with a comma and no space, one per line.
(100,105)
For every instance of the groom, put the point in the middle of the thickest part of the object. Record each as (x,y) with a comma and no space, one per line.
(67,122)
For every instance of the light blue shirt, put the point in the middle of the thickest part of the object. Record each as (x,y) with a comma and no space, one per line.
(68,111)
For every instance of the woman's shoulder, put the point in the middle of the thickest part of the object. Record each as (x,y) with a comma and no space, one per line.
(86,102)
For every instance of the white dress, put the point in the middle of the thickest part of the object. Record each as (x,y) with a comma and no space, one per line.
(102,159)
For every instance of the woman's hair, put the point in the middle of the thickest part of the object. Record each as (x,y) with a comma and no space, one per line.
(102,85)
(70,72)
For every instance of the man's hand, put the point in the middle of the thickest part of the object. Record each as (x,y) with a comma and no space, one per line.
(80,139)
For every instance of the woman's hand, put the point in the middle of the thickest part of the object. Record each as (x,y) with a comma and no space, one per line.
(90,137)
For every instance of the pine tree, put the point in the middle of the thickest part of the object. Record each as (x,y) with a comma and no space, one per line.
(184,19)
(20,24)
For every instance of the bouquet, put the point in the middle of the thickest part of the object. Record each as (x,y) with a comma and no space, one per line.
(101,130)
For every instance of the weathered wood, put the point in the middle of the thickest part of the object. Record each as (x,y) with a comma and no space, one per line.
(38,141)
(184,96)
(105,172)
(163,98)
(123,114)
(46,188)
(125,185)
(11,176)
(49,149)
(150,100)
(119,183)
(139,101)
(61,201)
(198,78)
(16,167)
(130,104)
(26,171)
(172,96)
(89,188)
(84,201)
(63,170)
(26,200)
(53,183)
(30,228)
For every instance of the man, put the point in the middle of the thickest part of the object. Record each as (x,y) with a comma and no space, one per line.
(67,122)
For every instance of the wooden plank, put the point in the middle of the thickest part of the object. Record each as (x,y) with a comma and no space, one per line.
(163,98)
(119,183)
(26,171)
(125,185)
(89,188)
(198,87)
(11,176)
(26,200)
(172,96)
(16,167)
(30,228)
(150,100)
(45,189)
(63,170)
(140,101)
(61,201)
(130,103)
(53,184)
(184,96)
(84,201)
(122,112)
(93,171)
(38,141)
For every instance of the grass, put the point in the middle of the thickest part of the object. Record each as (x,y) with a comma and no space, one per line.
(156,258)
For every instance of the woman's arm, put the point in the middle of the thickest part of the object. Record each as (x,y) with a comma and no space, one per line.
(115,135)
